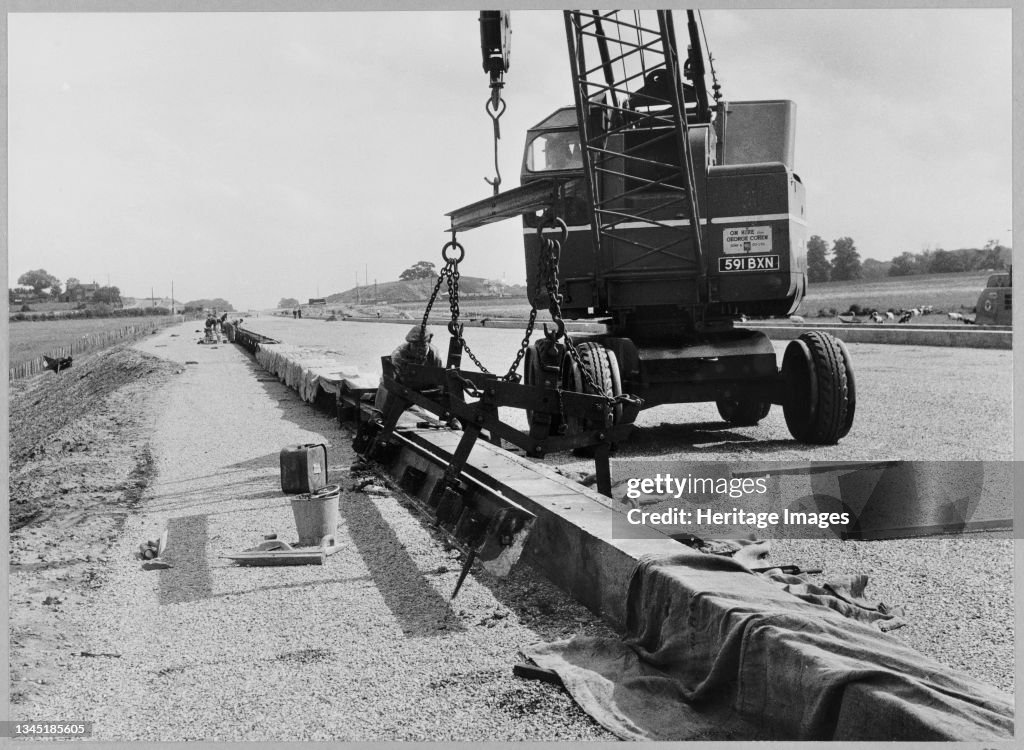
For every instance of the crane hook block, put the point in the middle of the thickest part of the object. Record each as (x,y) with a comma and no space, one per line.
(495,43)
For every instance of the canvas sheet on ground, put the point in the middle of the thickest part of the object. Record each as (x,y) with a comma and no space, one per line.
(706,648)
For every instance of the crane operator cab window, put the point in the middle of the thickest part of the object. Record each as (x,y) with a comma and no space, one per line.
(554,152)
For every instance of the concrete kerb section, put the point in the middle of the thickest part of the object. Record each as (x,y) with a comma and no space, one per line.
(967,336)
(979,337)
(571,541)
(573,545)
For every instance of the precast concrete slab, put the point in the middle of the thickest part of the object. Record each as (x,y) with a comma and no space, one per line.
(965,336)
(571,541)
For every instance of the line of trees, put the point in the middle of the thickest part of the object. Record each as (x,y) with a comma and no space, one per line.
(842,262)
(200,305)
(993,256)
(41,285)
(35,287)
(845,264)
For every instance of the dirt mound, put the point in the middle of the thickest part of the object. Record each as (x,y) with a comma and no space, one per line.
(65,431)
(80,460)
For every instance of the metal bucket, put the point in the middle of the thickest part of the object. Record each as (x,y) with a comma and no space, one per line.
(316,515)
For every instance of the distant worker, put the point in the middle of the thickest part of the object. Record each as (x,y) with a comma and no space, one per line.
(417,350)
(209,326)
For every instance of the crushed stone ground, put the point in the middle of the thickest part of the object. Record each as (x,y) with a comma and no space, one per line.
(173,436)
(366,647)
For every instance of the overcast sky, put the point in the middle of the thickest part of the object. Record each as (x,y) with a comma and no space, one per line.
(254,156)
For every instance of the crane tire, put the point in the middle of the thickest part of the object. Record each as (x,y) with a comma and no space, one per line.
(820,397)
(743,412)
(603,367)
(851,385)
(533,375)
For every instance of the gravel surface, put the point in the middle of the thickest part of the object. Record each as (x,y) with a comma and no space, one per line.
(366,647)
(956,593)
(914,403)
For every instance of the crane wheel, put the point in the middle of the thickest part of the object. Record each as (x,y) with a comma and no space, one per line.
(743,412)
(534,375)
(851,387)
(603,367)
(820,393)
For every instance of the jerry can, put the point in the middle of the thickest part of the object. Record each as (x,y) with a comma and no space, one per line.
(303,468)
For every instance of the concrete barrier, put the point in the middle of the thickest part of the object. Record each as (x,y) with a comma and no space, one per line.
(931,335)
(579,326)
(967,336)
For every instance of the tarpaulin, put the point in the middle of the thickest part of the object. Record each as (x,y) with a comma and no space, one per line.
(307,369)
(714,652)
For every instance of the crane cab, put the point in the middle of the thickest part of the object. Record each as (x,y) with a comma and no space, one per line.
(751,207)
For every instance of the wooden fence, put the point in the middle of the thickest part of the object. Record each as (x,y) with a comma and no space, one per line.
(90,342)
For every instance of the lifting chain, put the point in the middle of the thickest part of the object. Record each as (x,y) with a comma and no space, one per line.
(450,274)
(547,276)
(449,265)
(549,256)
(454,327)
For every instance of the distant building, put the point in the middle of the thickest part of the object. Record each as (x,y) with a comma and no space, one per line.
(79,293)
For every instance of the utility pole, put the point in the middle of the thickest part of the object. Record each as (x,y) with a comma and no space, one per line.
(172,296)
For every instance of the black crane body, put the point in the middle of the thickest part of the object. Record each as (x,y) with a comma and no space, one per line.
(676,219)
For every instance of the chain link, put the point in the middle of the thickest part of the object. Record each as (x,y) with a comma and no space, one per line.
(511,375)
(433,296)
(547,278)
(453,326)
(449,274)
(550,254)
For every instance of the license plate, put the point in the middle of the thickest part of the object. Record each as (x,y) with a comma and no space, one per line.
(749,263)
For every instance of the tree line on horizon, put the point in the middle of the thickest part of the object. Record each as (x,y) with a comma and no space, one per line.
(845,263)
(40,286)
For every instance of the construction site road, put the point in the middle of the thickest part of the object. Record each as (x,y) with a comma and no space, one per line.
(914,403)
(366,647)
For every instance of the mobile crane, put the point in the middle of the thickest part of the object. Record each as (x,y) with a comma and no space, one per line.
(672,218)
(644,205)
